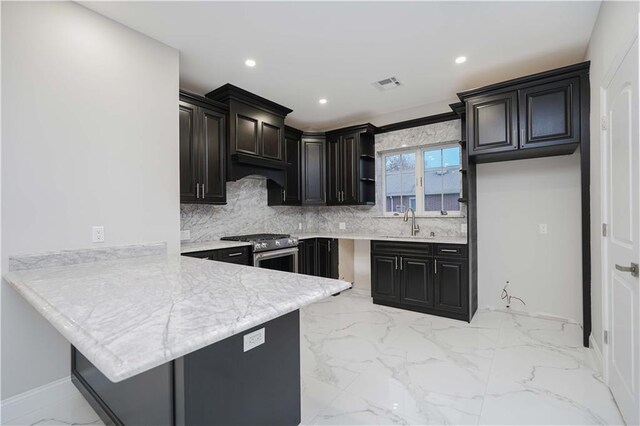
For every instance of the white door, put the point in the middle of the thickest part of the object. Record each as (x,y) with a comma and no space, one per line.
(620,97)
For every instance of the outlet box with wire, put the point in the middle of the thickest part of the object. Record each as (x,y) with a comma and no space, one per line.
(506,296)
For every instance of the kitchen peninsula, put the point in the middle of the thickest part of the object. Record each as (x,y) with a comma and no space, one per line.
(170,340)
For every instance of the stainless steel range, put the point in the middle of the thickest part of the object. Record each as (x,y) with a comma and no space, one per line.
(272,251)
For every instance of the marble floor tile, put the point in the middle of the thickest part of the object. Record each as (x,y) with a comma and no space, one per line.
(72,411)
(365,364)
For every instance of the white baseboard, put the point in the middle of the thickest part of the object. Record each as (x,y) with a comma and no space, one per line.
(34,399)
(596,354)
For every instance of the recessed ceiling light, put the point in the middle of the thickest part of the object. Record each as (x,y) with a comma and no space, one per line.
(323,101)
(250,63)
(461,59)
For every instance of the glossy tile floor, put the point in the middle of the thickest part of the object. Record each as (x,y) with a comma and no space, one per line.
(367,364)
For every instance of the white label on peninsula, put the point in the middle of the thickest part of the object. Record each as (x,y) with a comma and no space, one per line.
(254,339)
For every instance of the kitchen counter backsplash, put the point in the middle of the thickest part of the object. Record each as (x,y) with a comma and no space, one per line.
(247,212)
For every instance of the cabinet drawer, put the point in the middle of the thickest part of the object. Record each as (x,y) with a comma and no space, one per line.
(400,247)
(208,254)
(233,254)
(453,250)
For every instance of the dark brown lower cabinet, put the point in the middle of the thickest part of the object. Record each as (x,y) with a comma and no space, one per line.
(318,257)
(451,284)
(239,255)
(384,277)
(409,276)
(415,274)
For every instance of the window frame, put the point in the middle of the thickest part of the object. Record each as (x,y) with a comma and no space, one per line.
(419,184)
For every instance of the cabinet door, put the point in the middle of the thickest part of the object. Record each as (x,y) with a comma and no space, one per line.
(212,157)
(313,172)
(189,168)
(416,278)
(451,285)
(492,123)
(550,114)
(292,158)
(384,277)
(349,169)
(307,257)
(326,258)
(334,175)
(271,140)
(245,129)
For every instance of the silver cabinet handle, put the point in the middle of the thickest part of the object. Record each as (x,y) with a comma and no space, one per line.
(401,263)
(197,190)
(449,250)
(633,269)
(435,266)
(396,258)
(202,186)
(235,254)
(515,135)
(521,135)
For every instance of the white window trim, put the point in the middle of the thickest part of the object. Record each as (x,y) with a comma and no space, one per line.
(419,172)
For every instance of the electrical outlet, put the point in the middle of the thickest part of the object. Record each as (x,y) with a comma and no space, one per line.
(542,228)
(300,226)
(253,339)
(343,225)
(97,234)
(185,235)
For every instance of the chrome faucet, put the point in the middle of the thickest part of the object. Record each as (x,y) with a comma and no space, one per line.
(415,228)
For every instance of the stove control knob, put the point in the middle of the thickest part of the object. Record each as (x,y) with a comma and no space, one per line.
(278,243)
(256,246)
(263,245)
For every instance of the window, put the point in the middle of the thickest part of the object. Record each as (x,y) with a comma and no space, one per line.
(430,185)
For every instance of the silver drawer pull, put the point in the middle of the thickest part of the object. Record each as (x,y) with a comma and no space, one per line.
(235,254)
(449,250)
(633,269)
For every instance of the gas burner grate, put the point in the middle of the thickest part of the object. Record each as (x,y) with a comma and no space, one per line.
(255,237)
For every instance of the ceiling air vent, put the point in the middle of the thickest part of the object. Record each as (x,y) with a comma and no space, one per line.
(387,83)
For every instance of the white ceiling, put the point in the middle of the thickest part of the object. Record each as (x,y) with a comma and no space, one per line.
(309,50)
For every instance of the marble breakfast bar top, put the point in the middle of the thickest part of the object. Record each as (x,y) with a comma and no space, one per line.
(130,315)
(190,247)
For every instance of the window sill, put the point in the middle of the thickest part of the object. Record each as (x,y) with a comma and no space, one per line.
(423,216)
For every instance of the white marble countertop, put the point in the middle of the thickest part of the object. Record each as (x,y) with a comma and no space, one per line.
(406,238)
(190,247)
(128,316)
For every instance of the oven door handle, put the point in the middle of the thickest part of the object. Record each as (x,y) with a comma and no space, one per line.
(275,253)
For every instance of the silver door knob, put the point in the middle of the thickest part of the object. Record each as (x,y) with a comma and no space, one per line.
(633,269)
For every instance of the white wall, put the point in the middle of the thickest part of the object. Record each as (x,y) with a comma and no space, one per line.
(615,28)
(90,137)
(545,270)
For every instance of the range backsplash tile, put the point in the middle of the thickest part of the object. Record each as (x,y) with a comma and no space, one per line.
(247,212)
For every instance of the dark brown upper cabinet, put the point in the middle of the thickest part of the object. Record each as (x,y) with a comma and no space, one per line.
(493,121)
(289,194)
(534,116)
(256,135)
(313,182)
(351,166)
(202,149)
(550,114)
